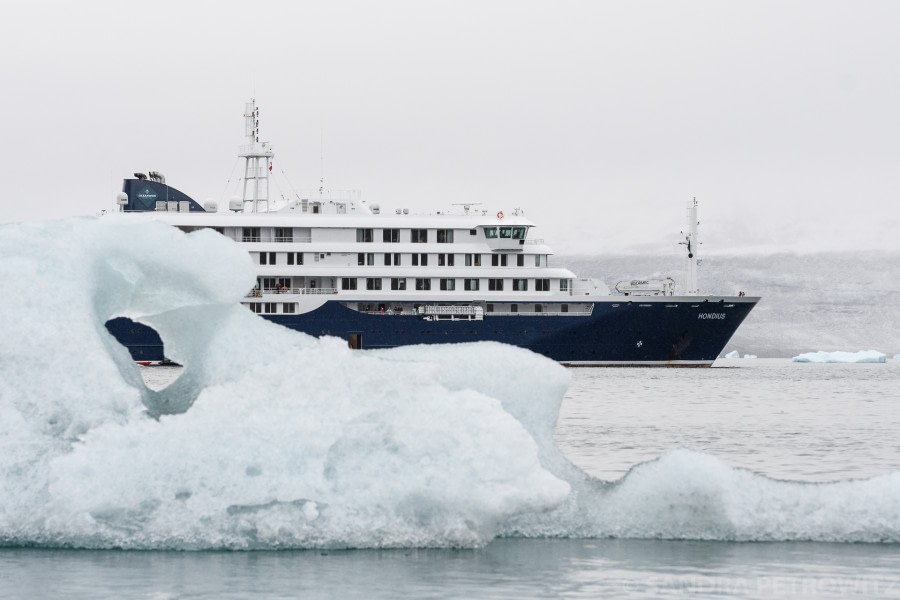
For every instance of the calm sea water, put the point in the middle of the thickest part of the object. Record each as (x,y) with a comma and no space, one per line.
(805,422)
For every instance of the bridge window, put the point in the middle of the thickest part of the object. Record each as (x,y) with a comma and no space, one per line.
(490,232)
(363,235)
(506,232)
(519,233)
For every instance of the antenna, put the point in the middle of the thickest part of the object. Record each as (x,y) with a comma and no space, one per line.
(321,160)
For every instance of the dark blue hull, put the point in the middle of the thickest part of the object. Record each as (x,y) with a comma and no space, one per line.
(678,331)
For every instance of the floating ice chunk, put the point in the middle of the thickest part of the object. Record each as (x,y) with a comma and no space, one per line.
(274,439)
(749,356)
(269,438)
(733,354)
(863,356)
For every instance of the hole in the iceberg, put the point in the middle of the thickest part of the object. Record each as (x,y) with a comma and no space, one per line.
(147,351)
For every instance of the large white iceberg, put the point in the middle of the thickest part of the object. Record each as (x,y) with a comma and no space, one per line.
(863,356)
(274,439)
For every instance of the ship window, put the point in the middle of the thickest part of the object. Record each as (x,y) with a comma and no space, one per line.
(390,236)
(255,307)
(423,284)
(495,260)
(423,260)
(271,308)
(387,259)
(445,260)
(473,232)
(518,233)
(363,235)
(520,285)
(564,308)
(448,285)
(513,308)
(520,260)
(542,285)
(289,308)
(419,236)
(361,258)
(373,283)
(489,308)
(564,285)
(348,283)
(267,258)
(445,236)
(506,232)
(537,260)
(295,258)
(490,232)
(538,308)
(495,285)
(284,234)
(250,234)
(398,283)
(471,285)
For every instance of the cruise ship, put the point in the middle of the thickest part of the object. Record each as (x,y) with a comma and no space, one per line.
(338,266)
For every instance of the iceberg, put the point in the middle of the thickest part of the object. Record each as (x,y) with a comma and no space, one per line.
(733,354)
(863,356)
(273,439)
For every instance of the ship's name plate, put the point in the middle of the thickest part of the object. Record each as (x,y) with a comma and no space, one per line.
(711,316)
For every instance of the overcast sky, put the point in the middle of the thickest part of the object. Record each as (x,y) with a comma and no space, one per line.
(599,119)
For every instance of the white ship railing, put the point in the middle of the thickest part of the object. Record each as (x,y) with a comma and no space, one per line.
(287,290)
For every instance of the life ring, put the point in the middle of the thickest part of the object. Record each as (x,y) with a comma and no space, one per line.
(499,214)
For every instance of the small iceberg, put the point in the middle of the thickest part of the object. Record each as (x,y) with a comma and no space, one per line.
(736,354)
(863,356)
